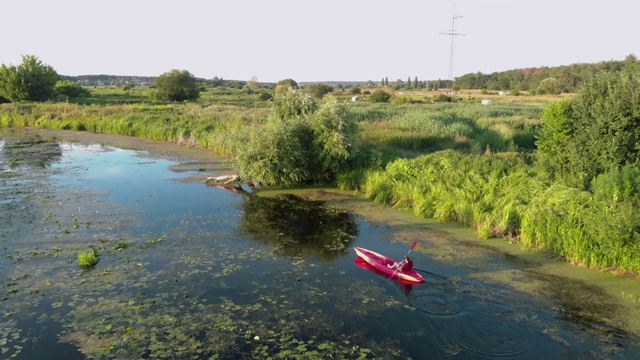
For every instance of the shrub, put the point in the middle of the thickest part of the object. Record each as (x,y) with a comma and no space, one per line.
(401,100)
(264,96)
(443,98)
(70,89)
(302,142)
(177,85)
(379,96)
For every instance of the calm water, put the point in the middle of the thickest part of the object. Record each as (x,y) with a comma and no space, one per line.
(194,271)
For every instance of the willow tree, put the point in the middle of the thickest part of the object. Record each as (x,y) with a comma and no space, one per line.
(303,141)
(177,85)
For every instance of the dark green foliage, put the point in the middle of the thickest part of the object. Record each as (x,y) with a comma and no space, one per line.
(216,81)
(288,82)
(319,90)
(30,81)
(303,141)
(443,98)
(596,131)
(70,89)
(264,96)
(549,86)
(177,85)
(569,78)
(554,146)
(295,226)
(379,96)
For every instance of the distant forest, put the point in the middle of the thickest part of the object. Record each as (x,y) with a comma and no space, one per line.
(559,79)
(567,78)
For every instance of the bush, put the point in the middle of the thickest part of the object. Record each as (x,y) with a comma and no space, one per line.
(401,100)
(379,96)
(177,85)
(319,90)
(264,96)
(443,98)
(302,142)
(70,90)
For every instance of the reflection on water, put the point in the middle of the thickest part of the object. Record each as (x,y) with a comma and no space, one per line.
(35,151)
(295,227)
(190,271)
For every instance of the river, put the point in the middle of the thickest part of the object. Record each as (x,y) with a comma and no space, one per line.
(188,270)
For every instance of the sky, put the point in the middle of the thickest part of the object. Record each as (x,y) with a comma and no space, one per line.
(315,40)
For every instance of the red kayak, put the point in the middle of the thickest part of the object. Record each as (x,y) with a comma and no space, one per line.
(388,266)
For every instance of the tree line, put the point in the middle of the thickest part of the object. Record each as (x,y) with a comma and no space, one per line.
(544,79)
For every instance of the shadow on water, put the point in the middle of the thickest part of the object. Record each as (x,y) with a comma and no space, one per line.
(294,226)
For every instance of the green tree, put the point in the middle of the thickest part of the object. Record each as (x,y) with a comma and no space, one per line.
(303,141)
(596,131)
(30,81)
(548,86)
(282,85)
(177,85)
(216,81)
(379,96)
(319,90)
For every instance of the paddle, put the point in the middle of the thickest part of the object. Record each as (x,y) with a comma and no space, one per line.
(413,246)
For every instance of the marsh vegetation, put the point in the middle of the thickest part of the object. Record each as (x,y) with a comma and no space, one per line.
(226,275)
(504,169)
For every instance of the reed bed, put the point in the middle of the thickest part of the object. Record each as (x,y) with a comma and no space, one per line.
(467,127)
(188,124)
(502,195)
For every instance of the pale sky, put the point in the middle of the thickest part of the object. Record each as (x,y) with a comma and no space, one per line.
(314,40)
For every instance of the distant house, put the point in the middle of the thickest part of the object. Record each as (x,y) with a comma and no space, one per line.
(355,98)
(486,102)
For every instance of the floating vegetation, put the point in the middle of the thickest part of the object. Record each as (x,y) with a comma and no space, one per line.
(189,274)
(10,339)
(87,259)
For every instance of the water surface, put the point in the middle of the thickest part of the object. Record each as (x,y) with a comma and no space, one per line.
(188,270)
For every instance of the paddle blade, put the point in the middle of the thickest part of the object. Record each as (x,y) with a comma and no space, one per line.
(415,243)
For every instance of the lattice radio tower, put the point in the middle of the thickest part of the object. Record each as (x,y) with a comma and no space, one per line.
(453,34)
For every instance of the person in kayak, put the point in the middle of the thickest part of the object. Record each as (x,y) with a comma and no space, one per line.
(408,264)
(404,265)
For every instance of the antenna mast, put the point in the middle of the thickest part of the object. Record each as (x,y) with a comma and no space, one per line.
(453,34)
